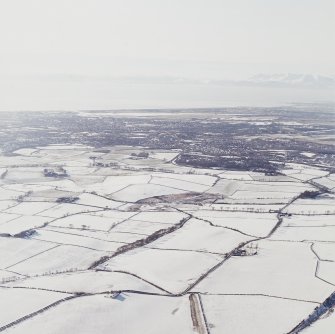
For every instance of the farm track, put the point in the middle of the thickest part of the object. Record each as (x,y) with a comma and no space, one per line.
(197,310)
(160,233)
(198,320)
(198,316)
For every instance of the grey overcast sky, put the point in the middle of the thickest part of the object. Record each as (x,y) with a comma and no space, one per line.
(193,38)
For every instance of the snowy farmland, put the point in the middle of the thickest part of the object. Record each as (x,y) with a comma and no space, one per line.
(90,240)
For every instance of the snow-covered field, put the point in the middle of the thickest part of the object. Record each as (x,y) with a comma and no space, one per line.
(129,313)
(200,236)
(57,259)
(253,314)
(119,243)
(16,303)
(169,269)
(270,268)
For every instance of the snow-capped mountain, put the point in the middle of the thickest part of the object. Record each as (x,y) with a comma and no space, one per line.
(290,79)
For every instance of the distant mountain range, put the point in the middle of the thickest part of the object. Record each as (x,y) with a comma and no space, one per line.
(290,79)
(259,80)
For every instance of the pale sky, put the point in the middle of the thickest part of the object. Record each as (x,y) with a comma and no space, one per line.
(107,54)
(193,38)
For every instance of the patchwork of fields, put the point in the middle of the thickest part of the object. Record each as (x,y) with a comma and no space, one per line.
(108,241)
